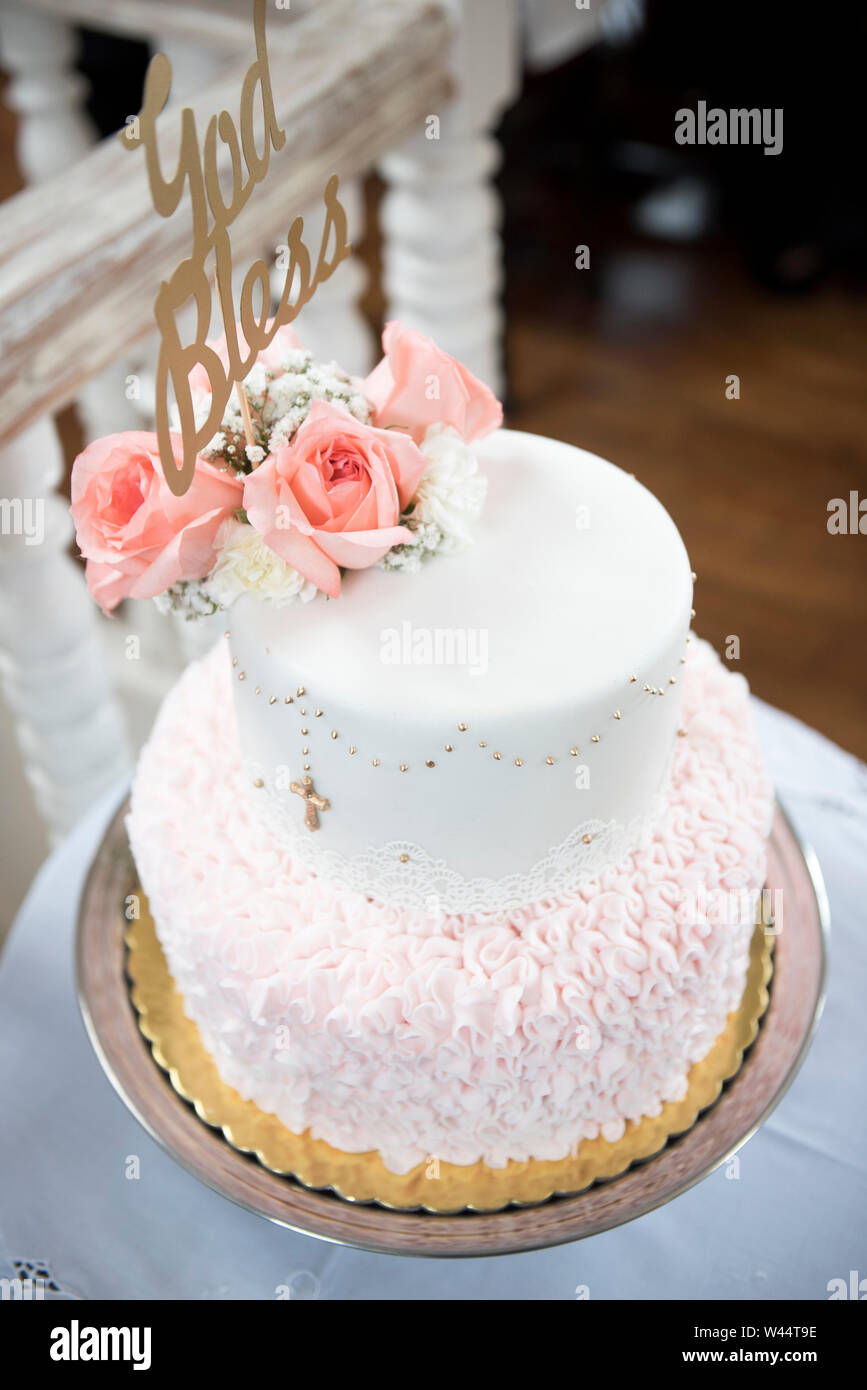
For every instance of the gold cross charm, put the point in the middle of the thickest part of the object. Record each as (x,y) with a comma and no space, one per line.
(313,802)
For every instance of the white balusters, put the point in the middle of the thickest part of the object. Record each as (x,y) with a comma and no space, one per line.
(46,92)
(38,50)
(52,665)
(440,216)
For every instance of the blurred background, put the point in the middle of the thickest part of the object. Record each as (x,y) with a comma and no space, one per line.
(701,264)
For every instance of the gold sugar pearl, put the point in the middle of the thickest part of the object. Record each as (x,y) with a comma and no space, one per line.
(498,756)
(519,762)
(683,661)
(287,700)
(257,690)
(334,733)
(305,731)
(376,762)
(404,859)
(272,699)
(306,767)
(550,762)
(617,714)
(573,752)
(257,782)
(463,728)
(595,738)
(227,634)
(318,713)
(305,750)
(430,763)
(242,675)
(672,680)
(404,767)
(646,687)
(449,748)
(483,743)
(300,690)
(587,839)
(302,711)
(352,748)
(681,733)
(234,661)
(632,680)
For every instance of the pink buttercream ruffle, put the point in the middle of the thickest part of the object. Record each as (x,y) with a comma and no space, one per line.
(464,1039)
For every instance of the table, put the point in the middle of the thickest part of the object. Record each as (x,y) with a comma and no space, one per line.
(784,1219)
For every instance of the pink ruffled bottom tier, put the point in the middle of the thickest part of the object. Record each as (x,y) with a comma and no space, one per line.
(467,1039)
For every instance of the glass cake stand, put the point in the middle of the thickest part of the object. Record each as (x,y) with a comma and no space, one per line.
(769,1066)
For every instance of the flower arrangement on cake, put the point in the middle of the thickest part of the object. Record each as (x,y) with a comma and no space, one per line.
(341,474)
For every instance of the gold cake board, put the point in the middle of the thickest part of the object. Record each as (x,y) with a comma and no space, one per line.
(431,1186)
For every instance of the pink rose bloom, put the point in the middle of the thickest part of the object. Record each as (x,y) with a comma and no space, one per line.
(138,538)
(274,355)
(417,384)
(333,497)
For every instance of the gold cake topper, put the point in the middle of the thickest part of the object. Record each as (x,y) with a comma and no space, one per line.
(212,216)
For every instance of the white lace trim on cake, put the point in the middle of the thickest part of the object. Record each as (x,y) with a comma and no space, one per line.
(402,874)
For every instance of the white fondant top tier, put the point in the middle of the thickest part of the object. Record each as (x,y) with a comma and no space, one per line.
(578,581)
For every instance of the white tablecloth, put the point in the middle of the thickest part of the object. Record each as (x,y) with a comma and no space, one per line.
(794,1219)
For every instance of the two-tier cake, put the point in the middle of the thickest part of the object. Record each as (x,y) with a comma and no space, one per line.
(424,834)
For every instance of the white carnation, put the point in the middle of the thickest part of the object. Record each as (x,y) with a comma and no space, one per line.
(452,491)
(248,566)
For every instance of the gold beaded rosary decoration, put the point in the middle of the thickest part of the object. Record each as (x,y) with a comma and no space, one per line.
(462,726)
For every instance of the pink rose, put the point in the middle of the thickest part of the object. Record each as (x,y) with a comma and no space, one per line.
(273,356)
(138,538)
(416,385)
(333,497)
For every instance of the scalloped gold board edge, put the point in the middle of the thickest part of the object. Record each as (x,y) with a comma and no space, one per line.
(431,1186)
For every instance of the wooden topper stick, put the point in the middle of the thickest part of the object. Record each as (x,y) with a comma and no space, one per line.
(245,413)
